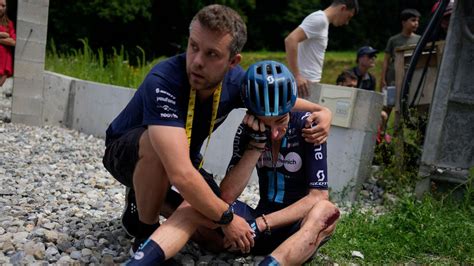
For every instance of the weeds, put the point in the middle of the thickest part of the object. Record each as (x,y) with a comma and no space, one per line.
(86,64)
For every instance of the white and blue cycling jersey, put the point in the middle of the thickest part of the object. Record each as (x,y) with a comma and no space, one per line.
(300,166)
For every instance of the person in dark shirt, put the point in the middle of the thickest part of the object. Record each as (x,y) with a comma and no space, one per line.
(365,61)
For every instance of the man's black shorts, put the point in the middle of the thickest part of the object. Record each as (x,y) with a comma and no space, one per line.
(121,156)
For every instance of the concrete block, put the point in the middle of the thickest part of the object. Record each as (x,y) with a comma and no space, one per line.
(32,106)
(28,87)
(32,51)
(28,70)
(56,99)
(29,31)
(34,11)
(95,105)
(30,120)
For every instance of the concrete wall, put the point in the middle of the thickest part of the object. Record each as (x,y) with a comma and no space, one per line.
(32,24)
(83,105)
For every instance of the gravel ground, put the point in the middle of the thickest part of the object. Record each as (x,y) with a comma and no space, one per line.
(59,205)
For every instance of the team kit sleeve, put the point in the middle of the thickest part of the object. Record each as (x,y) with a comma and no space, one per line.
(316,166)
(238,146)
(162,104)
(313,25)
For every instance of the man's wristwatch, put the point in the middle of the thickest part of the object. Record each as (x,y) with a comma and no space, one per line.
(227,216)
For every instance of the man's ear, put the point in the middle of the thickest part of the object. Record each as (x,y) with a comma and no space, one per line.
(343,8)
(234,61)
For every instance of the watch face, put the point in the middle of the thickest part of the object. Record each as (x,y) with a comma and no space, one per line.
(227,216)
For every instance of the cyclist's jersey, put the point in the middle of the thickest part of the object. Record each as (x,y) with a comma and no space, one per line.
(301,165)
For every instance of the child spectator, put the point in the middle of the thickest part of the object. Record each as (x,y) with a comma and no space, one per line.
(410,20)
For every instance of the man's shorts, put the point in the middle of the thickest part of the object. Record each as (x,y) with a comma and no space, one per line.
(121,157)
(265,244)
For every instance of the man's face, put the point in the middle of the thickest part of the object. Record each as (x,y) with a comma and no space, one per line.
(208,57)
(367,60)
(277,125)
(344,16)
(411,24)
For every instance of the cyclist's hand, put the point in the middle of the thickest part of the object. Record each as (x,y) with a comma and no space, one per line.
(256,128)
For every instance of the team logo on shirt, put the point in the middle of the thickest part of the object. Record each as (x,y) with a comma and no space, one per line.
(292,161)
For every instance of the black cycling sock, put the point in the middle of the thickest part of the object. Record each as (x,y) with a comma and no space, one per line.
(145,230)
(150,253)
(269,261)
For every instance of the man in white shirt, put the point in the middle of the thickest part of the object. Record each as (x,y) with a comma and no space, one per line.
(306,45)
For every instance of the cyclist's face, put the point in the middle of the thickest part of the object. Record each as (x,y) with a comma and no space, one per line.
(277,125)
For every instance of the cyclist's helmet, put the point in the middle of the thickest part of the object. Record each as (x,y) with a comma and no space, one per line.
(269,89)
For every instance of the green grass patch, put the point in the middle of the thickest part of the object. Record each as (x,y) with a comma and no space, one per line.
(86,64)
(427,231)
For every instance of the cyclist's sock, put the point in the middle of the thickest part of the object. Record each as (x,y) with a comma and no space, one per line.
(269,261)
(150,253)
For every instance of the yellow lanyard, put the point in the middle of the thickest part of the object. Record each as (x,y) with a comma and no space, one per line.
(190,116)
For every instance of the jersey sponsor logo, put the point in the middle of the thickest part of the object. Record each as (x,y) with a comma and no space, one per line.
(167,108)
(292,144)
(318,154)
(318,184)
(159,91)
(236,143)
(166,115)
(320,175)
(165,100)
(292,162)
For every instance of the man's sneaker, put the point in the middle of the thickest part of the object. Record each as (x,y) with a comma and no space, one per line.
(130,220)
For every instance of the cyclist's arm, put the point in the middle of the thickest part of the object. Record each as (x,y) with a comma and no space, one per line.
(240,168)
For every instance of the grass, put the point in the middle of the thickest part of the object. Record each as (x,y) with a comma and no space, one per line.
(86,64)
(421,232)
(433,230)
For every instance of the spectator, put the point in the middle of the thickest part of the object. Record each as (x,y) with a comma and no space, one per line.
(410,20)
(306,45)
(365,60)
(7,41)
(347,78)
